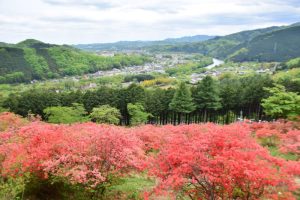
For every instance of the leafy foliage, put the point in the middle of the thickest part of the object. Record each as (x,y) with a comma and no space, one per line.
(189,68)
(289,79)
(138,77)
(106,114)
(282,103)
(137,114)
(66,115)
(293,63)
(160,81)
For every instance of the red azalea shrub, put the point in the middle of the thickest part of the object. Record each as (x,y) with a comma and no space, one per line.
(215,162)
(153,137)
(204,161)
(291,142)
(280,126)
(82,153)
(285,135)
(268,137)
(10,121)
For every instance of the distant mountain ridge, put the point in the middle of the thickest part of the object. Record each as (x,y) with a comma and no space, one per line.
(277,43)
(280,45)
(138,45)
(34,60)
(195,38)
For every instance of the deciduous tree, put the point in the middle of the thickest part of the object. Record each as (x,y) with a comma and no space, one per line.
(281,104)
(66,115)
(137,114)
(106,114)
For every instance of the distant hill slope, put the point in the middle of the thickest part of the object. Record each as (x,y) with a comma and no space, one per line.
(138,45)
(35,60)
(267,44)
(280,45)
(221,46)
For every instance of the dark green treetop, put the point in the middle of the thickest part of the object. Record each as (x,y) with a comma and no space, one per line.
(182,101)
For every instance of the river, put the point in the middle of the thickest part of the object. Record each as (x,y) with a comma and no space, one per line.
(216,62)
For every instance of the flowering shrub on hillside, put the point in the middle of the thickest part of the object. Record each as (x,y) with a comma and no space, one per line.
(283,135)
(220,162)
(204,161)
(291,142)
(9,120)
(86,154)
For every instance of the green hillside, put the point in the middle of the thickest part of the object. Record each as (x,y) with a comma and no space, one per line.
(293,63)
(35,60)
(250,34)
(220,46)
(267,44)
(280,45)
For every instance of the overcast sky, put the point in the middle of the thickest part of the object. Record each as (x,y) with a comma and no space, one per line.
(93,21)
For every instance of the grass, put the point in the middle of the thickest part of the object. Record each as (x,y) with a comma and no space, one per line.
(131,187)
(274,151)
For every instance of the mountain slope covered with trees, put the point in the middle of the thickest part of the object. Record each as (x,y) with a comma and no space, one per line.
(276,43)
(35,60)
(267,44)
(279,45)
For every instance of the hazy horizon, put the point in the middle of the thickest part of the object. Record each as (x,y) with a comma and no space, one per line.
(103,21)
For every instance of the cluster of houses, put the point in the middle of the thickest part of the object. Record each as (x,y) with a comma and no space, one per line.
(160,63)
(143,69)
(196,77)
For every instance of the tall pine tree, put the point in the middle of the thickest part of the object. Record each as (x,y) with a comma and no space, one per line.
(182,102)
(207,96)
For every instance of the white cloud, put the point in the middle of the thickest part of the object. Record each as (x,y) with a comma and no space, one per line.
(89,21)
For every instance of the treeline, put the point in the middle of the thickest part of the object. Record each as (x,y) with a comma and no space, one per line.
(221,101)
(34,60)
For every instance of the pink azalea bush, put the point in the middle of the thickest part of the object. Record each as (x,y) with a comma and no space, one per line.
(200,161)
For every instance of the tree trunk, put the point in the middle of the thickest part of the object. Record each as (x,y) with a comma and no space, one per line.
(174,119)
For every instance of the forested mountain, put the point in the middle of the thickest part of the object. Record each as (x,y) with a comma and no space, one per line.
(268,44)
(32,59)
(277,43)
(137,45)
(280,45)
